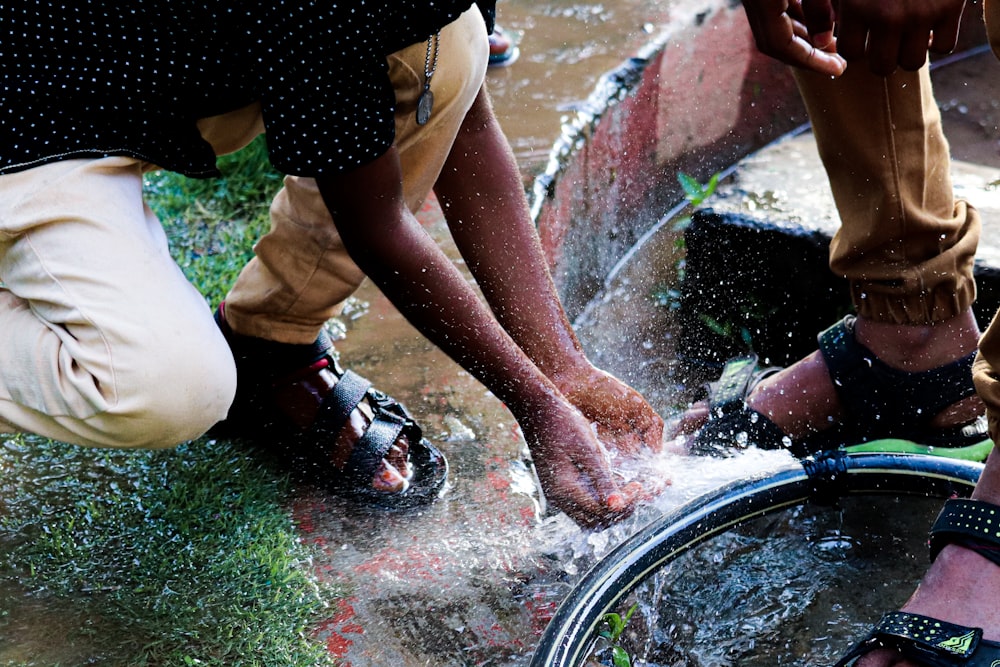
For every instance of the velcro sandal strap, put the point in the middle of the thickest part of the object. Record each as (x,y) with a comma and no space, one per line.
(922,639)
(739,427)
(373,446)
(338,405)
(739,377)
(962,520)
(872,391)
(734,384)
(378,438)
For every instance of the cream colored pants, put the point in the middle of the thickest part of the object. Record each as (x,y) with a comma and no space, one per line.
(103,341)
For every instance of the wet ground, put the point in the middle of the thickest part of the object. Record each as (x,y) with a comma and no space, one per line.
(565,47)
(474,578)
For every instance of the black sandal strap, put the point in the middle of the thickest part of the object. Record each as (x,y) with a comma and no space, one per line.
(926,641)
(971,523)
(338,405)
(373,446)
(732,424)
(872,392)
(738,427)
(384,429)
(738,378)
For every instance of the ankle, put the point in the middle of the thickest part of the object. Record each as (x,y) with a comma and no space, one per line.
(919,347)
(960,587)
(267,358)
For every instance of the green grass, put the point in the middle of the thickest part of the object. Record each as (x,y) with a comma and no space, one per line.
(213,223)
(178,557)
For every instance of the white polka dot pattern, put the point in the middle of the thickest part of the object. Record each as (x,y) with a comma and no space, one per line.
(96,77)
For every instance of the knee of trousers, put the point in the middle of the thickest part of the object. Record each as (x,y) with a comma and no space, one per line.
(175,396)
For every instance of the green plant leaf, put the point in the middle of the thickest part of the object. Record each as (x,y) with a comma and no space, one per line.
(628,615)
(620,657)
(709,189)
(692,188)
(695,192)
(615,624)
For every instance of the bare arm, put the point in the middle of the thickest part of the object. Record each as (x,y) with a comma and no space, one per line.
(483,198)
(392,248)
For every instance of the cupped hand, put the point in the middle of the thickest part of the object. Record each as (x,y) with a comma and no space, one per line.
(574,468)
(796,32)
(625,421)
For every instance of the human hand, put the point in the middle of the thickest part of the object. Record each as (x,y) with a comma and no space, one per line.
(896,34)
(574,468)
(796,32)
(625,421)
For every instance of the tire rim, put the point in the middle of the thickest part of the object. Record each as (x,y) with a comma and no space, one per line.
(824,479)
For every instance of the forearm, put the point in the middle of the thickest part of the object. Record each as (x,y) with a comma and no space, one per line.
(482,196)
(391,247)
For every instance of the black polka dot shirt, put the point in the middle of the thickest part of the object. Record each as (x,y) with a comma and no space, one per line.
(91,78)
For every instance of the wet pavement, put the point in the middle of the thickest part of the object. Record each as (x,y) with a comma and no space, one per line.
(565,47)
(474,578)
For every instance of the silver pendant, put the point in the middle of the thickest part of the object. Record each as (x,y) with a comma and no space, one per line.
(424,106)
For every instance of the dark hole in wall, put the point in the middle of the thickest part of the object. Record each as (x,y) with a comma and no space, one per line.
(753,285)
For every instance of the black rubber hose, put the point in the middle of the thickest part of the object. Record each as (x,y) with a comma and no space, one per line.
(570,633)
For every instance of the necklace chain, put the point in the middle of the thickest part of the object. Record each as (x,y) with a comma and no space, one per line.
(425,105)
(431,61)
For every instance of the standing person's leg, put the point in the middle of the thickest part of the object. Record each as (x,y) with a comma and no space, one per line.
(302,274)
(906,248)
(963,581)
(905,245)
(103,341)
(987,368)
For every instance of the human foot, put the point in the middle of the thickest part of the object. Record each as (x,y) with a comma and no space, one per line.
(359,441)
(961,587)
(887,381)
(503,50)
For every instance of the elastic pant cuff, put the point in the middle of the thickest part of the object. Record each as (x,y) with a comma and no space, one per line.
(876,302)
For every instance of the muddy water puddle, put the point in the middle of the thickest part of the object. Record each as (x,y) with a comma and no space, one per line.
(565,46)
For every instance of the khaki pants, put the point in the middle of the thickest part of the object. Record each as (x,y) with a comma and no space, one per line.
(301,273)
(905,246)
(103,341)
(986,370)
